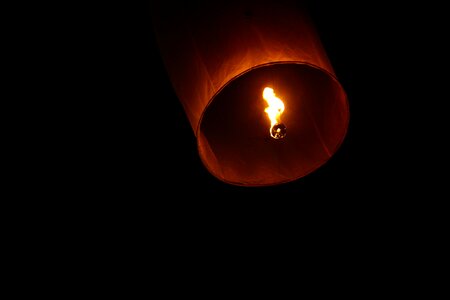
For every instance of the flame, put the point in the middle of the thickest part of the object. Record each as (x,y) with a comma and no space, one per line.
(274,111)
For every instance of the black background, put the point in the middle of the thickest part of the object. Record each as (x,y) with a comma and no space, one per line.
(114,189)
(131,192)
(111,188)
(142,144)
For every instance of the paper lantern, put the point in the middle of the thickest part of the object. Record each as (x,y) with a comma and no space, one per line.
(220,60)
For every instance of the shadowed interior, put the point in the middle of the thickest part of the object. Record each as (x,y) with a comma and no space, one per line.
(234,139)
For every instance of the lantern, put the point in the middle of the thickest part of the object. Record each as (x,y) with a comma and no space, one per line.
(256,85)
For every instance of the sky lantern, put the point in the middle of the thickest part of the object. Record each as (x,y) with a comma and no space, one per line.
(256,85)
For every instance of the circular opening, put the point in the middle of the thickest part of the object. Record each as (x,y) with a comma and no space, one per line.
(234,137)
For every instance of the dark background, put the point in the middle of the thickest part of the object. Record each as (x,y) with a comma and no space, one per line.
(120,193)
(131,192)
(143,145)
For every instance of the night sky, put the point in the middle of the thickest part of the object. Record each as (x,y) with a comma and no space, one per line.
(145,145)
(128,198)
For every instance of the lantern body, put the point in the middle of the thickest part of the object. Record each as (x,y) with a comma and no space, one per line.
(219,60)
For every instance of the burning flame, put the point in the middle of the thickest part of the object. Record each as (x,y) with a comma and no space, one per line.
(274,111)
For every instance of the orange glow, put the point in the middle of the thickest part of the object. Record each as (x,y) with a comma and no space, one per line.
(274,110)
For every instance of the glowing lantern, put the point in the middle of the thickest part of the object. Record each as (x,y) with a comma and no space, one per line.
(256,85)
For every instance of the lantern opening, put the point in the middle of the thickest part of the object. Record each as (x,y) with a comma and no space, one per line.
(233,141)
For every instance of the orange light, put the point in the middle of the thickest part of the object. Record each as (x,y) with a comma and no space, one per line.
(274,111)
